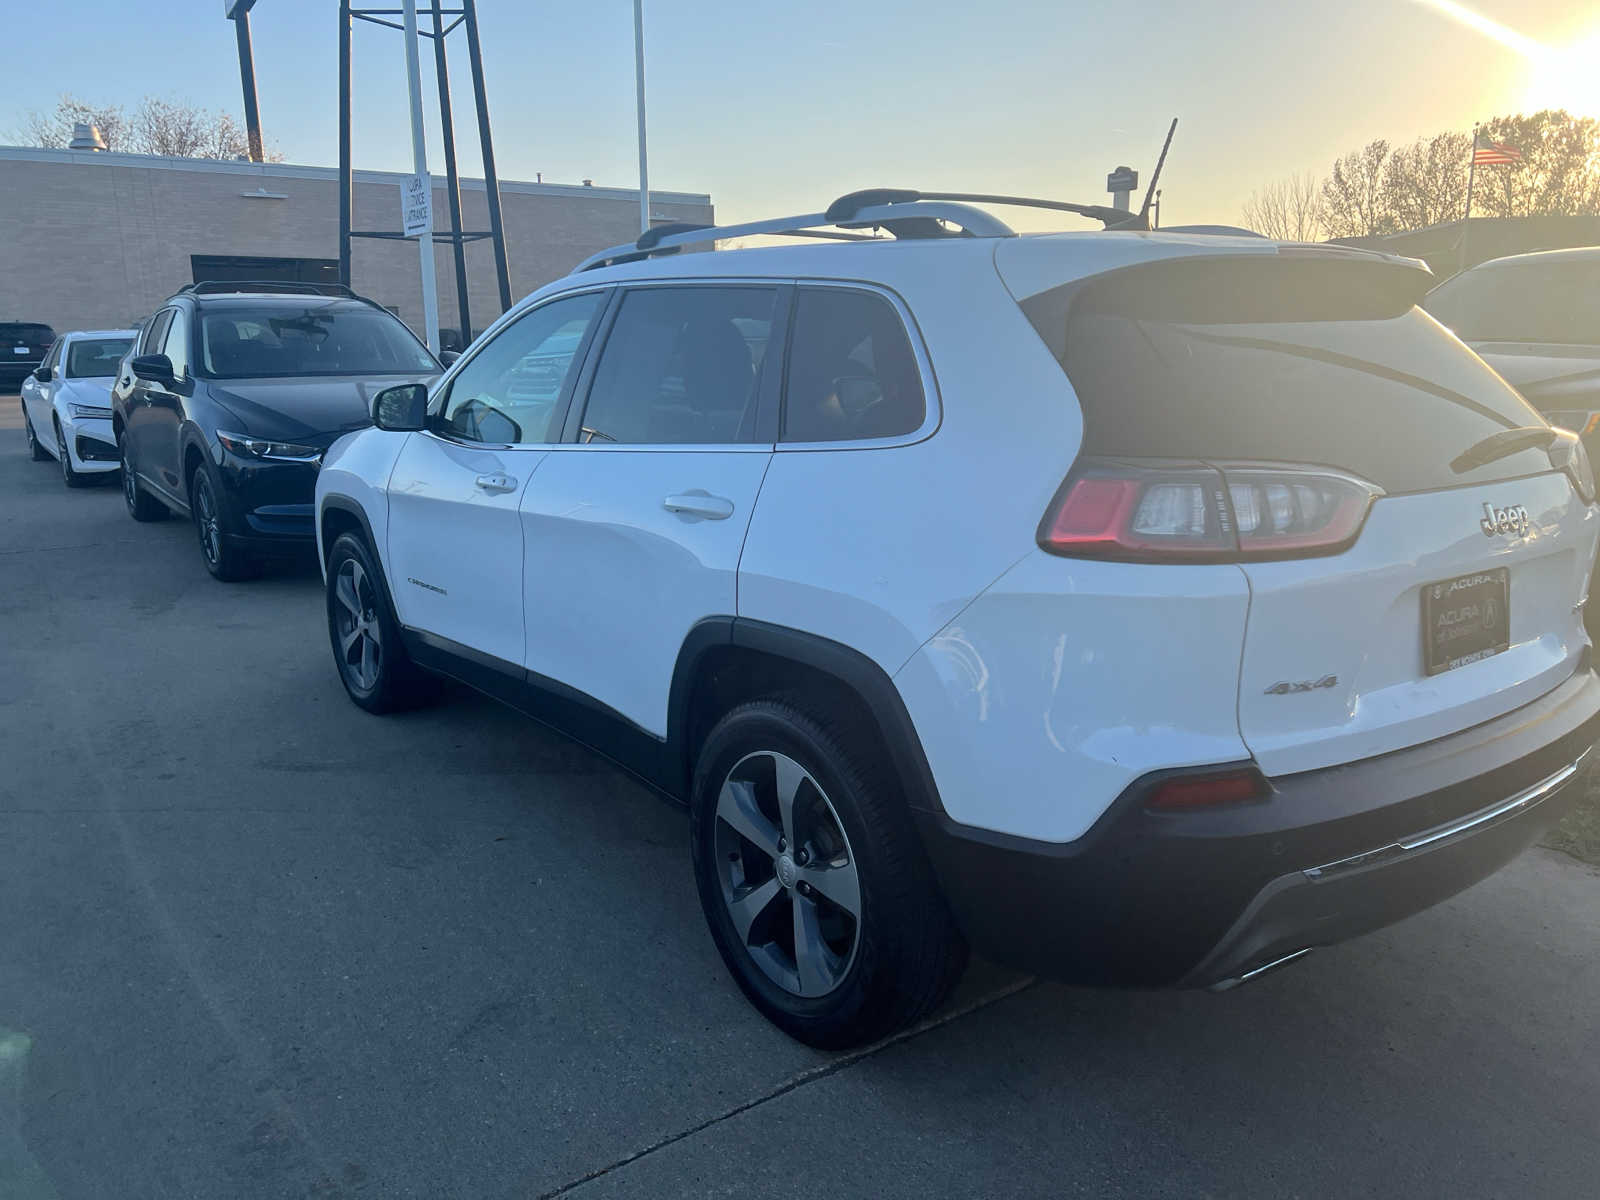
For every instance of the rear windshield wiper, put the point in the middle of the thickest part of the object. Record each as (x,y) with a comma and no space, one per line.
(1504,444)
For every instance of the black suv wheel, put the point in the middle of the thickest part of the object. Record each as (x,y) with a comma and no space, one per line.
(223,559)
(141,505)
(813,881)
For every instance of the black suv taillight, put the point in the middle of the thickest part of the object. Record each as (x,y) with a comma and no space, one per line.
(1135,510)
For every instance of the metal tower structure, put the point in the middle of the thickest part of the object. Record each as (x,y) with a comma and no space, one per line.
(464,14)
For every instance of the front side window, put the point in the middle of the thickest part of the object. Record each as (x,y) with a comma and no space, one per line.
(510,392)
(156,332)
(682,366)
(96,358)
(852,373)
(177,344)
(285,340)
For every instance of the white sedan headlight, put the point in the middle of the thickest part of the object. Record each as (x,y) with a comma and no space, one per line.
(88,411)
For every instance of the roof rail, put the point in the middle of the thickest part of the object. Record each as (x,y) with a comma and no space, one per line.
(926,218)
(219,287)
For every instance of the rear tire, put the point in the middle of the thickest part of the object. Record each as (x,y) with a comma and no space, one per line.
(141,505)
(35,450)
(68,476)
(223,559)
(777,874)
(377,673)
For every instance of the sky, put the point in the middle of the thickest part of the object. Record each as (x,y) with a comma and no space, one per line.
(778,107)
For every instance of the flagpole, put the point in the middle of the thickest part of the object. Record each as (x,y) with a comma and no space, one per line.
(1472,171)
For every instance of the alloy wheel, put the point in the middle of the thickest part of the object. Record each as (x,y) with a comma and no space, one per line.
(360,639)
(130,485)
(62,457)
(788,874)
(207,520)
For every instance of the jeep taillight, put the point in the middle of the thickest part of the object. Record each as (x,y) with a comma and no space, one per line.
(1148,511)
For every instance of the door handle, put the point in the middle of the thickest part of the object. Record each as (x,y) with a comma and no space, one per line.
(712,508)
(498,482)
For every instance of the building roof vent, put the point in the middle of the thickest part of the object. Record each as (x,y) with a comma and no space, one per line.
(86,137)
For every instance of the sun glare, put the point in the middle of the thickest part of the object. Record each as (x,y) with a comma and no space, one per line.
(1566,77)
(1558,76)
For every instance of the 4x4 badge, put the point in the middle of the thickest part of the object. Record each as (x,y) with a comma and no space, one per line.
(1511,519)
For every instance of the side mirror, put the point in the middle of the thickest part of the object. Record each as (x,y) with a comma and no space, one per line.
(43,374)
(157,368)
(402,409)
(449,356)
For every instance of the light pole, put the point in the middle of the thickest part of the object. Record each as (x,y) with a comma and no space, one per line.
(638,73)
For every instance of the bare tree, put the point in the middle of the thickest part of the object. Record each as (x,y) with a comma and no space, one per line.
(1559,172)
(1289,210)
(1354,203)
(1426,182)
(174,128)
(54,129)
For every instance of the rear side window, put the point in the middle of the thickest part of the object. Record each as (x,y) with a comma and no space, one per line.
(1278,360)
(852,374)
(1555,302)
(682,366)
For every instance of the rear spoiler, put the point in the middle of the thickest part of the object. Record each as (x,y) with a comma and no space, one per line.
(1284,283)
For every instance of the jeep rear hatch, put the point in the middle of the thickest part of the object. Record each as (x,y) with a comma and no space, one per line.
(1416,557)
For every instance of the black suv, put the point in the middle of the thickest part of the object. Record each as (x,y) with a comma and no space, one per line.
(225,405)
(22,348)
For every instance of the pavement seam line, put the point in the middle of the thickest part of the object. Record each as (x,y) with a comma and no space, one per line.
(809,1075)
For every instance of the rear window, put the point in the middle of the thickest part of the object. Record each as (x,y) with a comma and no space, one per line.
(1552,302)
(30,334)
(1278,360)
(95,358)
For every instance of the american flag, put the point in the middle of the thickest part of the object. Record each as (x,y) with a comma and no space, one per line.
(1486,153)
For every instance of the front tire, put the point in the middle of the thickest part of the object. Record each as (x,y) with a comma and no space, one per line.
(68,476)
(35,450)
(141,505)
(223,559)
(373,665)
(813,881)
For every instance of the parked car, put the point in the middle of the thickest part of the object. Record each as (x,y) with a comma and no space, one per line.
(1132,608)
(235,391)
(22,348)
(1535,318)
(66,403)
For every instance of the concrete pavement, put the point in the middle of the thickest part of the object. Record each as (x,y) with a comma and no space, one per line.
(254,942)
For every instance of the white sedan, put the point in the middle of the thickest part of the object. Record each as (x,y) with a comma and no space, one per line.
(66,403)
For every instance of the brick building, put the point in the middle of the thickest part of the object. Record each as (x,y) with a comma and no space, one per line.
(94,240)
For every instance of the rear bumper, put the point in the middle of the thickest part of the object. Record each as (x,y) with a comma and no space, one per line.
(1202,899)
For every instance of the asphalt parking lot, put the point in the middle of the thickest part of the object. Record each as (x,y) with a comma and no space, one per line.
(254,942)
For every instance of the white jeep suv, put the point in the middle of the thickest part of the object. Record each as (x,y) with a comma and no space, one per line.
(1141,608)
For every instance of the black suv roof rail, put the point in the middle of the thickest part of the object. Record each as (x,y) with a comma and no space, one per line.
(222,287)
